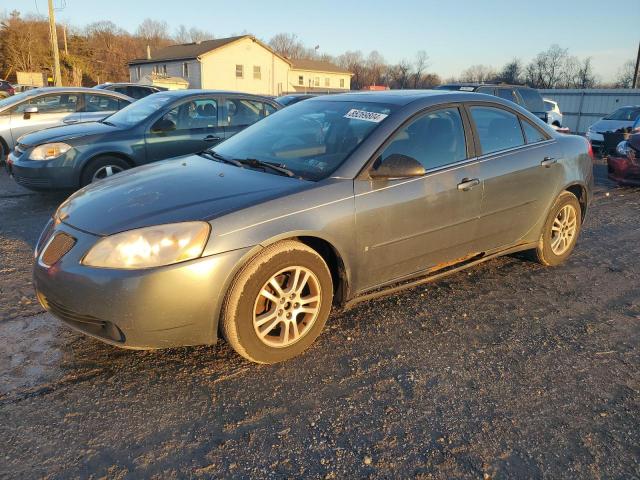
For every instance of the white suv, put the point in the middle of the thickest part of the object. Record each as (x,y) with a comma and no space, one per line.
(554,115)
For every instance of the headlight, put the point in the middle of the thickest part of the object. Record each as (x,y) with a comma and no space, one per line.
(150,246)
(49,151)
(622,148)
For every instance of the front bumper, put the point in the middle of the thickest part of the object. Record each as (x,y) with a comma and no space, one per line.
(57,174)
(160,307)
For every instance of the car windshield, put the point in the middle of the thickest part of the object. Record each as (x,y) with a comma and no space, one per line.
(628,114)
(312,138)
(138,111)
(16,98)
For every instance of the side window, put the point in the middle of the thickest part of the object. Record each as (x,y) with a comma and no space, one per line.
(531,133)
(100,103)
(486,90)
(245,112)
(195,114)
(137,92)
(497,129)
(123,103)
(507,94)
(532,99)
(435,139)
(122,90)
(60,103)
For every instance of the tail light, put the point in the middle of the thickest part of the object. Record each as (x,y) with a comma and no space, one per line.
(11,91)
(590,149)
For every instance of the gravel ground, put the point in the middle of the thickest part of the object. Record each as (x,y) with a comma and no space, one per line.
(508,370)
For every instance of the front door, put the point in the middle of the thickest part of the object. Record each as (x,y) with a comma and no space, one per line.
(52,110)
(520,172)
(405,226)
(195,128)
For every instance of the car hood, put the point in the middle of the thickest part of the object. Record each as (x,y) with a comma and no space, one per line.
(179,190)
(66,133)
(609,125)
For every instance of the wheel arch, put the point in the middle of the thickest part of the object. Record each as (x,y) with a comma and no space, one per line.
(581,193)
(5,146)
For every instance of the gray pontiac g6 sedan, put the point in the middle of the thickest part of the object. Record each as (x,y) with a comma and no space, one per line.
(327,203)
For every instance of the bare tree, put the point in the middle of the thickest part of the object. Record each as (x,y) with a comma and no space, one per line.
(420,65)
(548,68)
(400,74)
(511,72)
(624,77)
(155,33)
(191,35)
(354,62)
(376,67)
(478,73)
(288,45)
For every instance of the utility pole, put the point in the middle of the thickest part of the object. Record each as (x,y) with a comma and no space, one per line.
(636,80)
(64,36)
(57,78)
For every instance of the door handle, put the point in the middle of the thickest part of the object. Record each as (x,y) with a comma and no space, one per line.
(468,183)
(548,161)
(211,138)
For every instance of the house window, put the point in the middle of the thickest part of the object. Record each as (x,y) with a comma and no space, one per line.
(316,82)
(164,69)
(300,80)
(257,75)
(327,82)
(138,73)
(185,70)
(342,83)
(239,71)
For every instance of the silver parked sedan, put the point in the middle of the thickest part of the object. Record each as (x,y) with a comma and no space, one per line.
(329,202)
(50,107)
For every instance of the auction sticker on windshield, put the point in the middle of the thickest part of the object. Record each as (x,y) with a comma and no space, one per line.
(366,116)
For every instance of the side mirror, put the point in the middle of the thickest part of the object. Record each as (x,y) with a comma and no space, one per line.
(29,110)
(398,166)
(163,125)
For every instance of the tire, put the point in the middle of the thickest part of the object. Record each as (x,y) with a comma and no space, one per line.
(101,164)
(553,250)
(245,306)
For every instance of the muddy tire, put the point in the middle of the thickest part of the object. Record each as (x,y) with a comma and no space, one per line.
(278,303)
(560,231)
(102,167)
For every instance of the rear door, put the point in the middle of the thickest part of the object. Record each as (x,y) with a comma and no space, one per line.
(238,113)
(407,225)
(53,110)
(520,173)
(97,106)
(196,129)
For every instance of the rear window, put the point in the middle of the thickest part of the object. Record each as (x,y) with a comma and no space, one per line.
(629,114)
(532,99)
(497,129)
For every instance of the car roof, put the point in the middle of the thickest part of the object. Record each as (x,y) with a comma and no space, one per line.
(40,90)
(127,84)
(480,84)
(403,97)
(176,94)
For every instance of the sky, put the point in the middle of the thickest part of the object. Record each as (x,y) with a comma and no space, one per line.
(455,34)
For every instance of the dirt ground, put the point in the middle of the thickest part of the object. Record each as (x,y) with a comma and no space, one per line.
(507,370)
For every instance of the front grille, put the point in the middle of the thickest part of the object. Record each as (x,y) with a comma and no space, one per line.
(70,315)
(44,236)
(56,248)
(32,182)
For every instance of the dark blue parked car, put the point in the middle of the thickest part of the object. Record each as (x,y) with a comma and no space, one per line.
(160,126)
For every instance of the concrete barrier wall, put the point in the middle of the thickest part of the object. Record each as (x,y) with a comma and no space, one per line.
(583,107)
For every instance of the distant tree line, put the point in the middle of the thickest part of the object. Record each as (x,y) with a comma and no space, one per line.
(100,51)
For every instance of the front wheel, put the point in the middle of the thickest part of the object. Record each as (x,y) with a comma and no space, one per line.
(278,303)
(101,168)
(560,231)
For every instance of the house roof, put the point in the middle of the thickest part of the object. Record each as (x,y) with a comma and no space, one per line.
(316,65)
(187,51)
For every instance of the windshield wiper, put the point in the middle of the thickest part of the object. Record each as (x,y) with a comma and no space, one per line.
(255,163)
(216,156)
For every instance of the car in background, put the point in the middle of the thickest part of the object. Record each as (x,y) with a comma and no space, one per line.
(19,87)
(330,202)
(554,115)
(46,107)
(6,89)
(621,120)
(528,98)
(133,90)
(159,126)
(624,166)
(286,100)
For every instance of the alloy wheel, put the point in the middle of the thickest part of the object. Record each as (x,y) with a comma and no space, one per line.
(106,171)
(564,229)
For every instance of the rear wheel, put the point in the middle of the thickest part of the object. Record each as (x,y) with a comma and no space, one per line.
(278,303)
(101,168)
(560,231)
